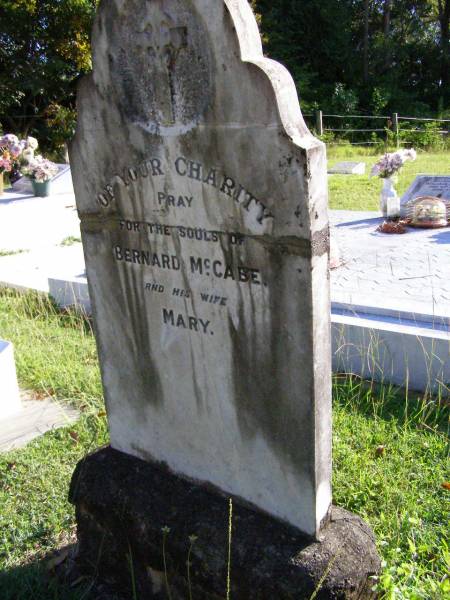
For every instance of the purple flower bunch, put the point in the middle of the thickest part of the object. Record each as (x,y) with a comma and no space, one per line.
(40,169)
(391,163)
(12,150)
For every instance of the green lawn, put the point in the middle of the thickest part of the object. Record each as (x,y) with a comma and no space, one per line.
(390,461)
(359,192)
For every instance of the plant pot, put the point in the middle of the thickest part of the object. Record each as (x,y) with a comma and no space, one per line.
(41,189)
(389,200)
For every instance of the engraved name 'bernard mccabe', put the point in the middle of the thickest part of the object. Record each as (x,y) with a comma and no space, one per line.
(196,265)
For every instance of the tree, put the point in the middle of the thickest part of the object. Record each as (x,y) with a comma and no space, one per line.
(366,41)
(383,53)
(346,55)
(443,15)
(44,48)
(386,30)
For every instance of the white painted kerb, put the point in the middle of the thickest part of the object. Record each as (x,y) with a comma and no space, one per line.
(401,350)
(9,390)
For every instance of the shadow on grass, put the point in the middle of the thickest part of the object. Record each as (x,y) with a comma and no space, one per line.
(38,580)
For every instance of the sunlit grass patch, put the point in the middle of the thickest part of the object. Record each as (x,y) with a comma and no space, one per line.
(391,462)
(359,192)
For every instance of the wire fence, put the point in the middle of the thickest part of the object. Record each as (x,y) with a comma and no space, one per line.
(358,130)
(366,130)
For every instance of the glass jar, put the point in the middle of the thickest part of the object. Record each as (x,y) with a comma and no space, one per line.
(428,212)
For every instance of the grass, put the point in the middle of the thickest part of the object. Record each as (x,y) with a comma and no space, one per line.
(390,461)
(12,252)
(390,464)
(359,192)
(55,355)
(70,241)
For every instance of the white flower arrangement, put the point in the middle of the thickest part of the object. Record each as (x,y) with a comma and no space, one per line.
(391,163)
(40,169)
(32,143)
(30,146)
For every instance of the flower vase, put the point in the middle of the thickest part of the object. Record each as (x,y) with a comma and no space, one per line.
(389,200)
(2,185)
(41,189)
(14,175)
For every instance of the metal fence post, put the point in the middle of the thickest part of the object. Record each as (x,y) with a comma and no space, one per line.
(319,122)
(395,127)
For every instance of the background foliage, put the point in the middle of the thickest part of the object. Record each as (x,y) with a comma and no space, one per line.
(363,55)
(346,56)
(44,49)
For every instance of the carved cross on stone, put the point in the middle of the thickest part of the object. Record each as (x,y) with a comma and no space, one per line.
(161,42)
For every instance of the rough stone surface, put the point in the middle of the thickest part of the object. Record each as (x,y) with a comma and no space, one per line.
(123,504)
(203,202)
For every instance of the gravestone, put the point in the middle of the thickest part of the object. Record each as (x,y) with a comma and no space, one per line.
(203,206)
(348,168)
(427,185)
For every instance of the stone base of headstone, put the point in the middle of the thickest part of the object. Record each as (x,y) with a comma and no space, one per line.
(135,526)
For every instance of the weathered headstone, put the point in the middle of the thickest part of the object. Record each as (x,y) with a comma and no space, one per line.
(203,206)
(348,168)
(428,185)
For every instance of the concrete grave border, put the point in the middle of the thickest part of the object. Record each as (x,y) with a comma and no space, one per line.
(10,403)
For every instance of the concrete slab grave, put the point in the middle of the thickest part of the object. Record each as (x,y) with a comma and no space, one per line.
(61,183)
(58,271)
(391,304)
(203,206)
(348,168)
(23,418)
(27,222)
(392,348)
(34,418)
(9,389)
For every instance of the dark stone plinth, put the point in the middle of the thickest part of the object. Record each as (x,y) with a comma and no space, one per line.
(124,504)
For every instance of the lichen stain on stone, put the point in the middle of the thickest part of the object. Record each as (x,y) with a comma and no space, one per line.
(264,402)
(137,341)
(199,392)
(166,79)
